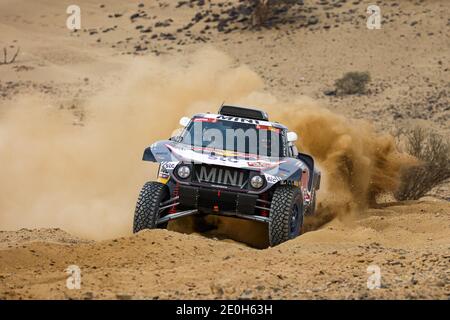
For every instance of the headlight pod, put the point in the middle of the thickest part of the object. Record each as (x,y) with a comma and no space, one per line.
(184,171)
(257,182)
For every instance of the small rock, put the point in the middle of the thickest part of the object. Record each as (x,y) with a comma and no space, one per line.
(246,295)
(313,20)
(329,92)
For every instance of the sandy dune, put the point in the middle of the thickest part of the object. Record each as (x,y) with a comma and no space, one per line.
(409,242)
(101,89)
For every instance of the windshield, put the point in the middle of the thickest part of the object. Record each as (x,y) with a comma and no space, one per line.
(241,137)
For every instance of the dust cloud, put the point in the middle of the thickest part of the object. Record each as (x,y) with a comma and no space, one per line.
(85,179)
(358,164)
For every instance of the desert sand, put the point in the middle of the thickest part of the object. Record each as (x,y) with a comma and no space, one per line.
(78,108)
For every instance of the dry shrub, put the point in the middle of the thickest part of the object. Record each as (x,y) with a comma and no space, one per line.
(5,56)
(433,152)
(263,8)
(352,83)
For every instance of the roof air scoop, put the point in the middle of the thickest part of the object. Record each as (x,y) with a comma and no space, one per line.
(240,112)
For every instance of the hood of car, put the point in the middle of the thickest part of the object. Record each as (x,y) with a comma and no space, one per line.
(170,153)
(219,157)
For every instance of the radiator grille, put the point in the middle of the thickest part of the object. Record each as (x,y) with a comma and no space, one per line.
(218,175)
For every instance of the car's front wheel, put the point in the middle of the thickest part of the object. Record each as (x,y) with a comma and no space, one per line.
(286,213)
(147,211)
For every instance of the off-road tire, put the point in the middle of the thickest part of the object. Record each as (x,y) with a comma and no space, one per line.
(146,213)
(284,199)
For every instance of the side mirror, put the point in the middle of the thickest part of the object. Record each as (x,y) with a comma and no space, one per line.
(177,135)
(292,136)
(176,138)
(184,121)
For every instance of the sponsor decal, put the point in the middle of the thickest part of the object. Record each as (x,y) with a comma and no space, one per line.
(168,165)
(237,119)
(223,158)
(306,195)
(163,175)
(231,158)
(262,164)
(213,154)
(163,180)
(212,120)
(272,179)
(269,128)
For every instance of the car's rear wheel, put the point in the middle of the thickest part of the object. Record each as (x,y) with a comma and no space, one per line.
(147,213)
(286,213)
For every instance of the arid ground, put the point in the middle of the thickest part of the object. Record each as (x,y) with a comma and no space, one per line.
(77,108)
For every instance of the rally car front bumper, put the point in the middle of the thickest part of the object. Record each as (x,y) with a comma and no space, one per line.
(193,200)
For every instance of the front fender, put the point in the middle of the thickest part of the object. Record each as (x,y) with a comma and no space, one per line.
(158,152)
(289,169)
